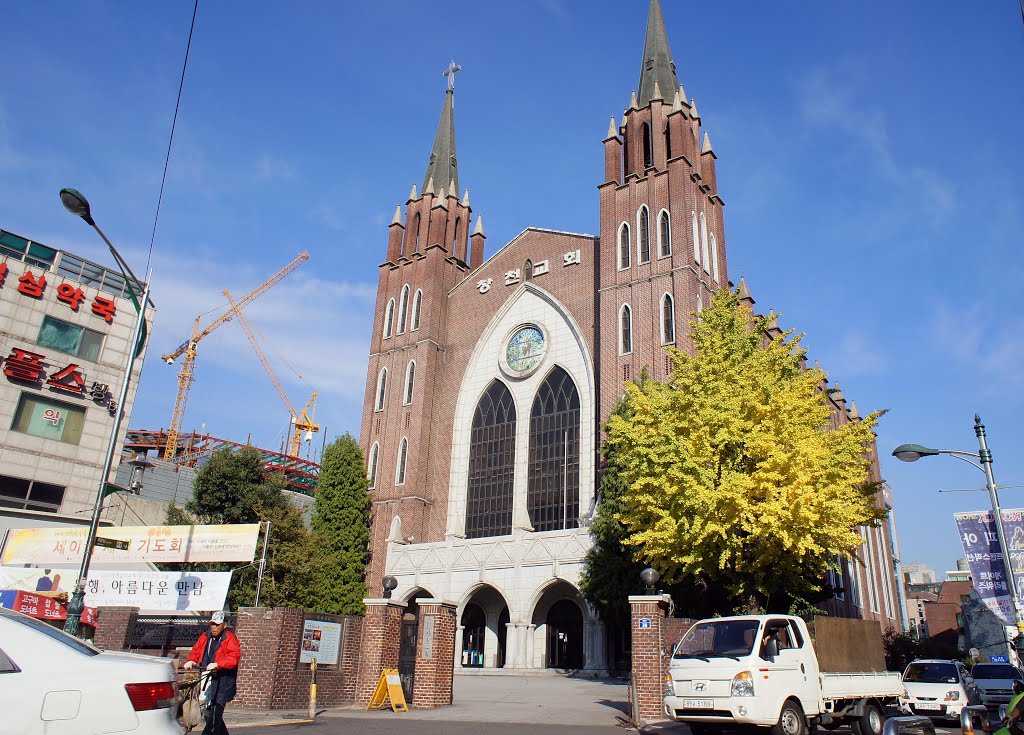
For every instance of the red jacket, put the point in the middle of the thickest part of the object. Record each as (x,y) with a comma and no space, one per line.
(226,657)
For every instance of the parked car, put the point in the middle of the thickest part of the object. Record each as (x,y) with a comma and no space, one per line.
(995,682)
(51,683)
(938,688)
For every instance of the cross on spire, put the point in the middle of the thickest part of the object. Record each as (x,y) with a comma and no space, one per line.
(450,73)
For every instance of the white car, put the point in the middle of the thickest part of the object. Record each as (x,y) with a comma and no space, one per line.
(54,684)
(938,688)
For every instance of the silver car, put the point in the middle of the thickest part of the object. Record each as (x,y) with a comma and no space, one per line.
(995,682)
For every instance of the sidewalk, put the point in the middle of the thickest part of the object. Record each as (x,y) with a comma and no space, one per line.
(550,700)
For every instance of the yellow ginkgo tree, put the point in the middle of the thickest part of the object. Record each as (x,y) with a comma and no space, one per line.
(735,473)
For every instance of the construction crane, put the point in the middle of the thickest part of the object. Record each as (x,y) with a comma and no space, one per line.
(188,349)
(302,422)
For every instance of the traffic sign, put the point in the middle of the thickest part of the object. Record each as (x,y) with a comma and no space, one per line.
(113,543)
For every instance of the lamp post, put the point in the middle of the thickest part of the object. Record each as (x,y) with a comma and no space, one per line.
(914,452)
(78,205)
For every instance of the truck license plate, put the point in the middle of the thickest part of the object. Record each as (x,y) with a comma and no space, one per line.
(699,703)
(927,705)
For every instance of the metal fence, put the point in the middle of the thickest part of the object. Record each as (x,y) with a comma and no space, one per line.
(167,631)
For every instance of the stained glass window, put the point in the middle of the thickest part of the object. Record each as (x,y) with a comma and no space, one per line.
(492,456)
(553,490)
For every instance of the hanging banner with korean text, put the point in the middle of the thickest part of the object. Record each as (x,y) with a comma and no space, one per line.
(42,607)
(980,539)
(169,592)
(169,544)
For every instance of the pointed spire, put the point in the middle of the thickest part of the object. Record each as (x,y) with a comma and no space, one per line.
(677,102)
(612,130)
(657,91)
(442,200)
(682,95)
(479,229)
(397,219)
(413,196)
(657,67)
(465,199)
(442,162)
(693,110)
(428,188)
(623,120)
(453,190)
(854,413)
(744,291)
(633,104)
(705,146)
(837,394)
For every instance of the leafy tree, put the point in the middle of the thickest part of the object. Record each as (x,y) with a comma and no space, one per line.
(230,488)
(734,473)
(900,648)
(341,525)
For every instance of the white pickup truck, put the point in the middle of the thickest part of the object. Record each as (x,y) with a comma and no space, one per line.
(762,670)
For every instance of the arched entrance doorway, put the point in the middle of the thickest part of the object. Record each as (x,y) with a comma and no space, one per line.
(482,630)
(565,635)
(474,628)
(407,643)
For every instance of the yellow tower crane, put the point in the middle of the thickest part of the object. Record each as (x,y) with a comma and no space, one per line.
(188,349)
(302,422)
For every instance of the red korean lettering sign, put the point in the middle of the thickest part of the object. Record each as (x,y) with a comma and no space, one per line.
(69,379)
(104,307)
(70,295)
(24,365)
(32,286)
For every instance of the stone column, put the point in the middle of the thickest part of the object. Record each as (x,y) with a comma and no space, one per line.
(513,657)
(530,646)
(647,613)
(460,632)
(382,638)
(435,654)
(594,663)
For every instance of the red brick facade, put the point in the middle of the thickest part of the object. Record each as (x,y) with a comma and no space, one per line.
(435,654)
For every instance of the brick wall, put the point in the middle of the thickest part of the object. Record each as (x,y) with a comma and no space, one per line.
(270,675)
(112,625)
(379,644)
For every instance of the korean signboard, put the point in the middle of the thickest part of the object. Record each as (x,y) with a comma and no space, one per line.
(41,606)
(320,640)
(988,569)
(169,544)
(164,591)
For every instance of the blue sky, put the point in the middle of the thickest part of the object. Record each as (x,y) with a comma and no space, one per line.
(869,158)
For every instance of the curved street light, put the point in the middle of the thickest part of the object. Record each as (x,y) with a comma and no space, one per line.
(78,205)
(981,460)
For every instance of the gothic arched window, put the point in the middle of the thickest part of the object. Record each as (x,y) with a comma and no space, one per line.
(714,257)
(528,270)
(625,330)
(668,320)
(492,459)
(410,382)
(382,389)
(643,224)
(403,308)
(664,234)
(389,317)
(624,255)
(696,240)
(417,303)
(371,471)
(403,457)
(416,232)
(706,261)
(646,135)
(668,141)
(455,237)
(553,489)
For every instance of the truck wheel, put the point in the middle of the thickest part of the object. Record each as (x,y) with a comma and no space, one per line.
(870,723)
(791,720)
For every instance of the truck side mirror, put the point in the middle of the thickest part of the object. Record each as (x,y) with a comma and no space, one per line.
(771,649)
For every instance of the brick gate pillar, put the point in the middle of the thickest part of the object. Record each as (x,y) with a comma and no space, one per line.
(382,637)
(435,654)
(647,614)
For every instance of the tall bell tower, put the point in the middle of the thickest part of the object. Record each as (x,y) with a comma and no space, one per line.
(662,247)
(430,249)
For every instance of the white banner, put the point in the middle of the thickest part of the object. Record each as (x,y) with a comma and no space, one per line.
(170,592)
(169,544)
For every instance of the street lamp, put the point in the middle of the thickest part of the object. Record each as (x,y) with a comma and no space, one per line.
(914,452)
(389,584)
(78,205)
(650,578)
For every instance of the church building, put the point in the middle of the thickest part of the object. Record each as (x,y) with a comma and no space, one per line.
(489,380)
